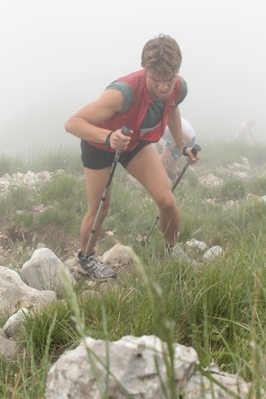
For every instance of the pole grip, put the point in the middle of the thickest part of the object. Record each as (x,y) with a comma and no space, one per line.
(195,149)
(125,130)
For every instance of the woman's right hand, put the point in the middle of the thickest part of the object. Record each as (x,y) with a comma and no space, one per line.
(119,141)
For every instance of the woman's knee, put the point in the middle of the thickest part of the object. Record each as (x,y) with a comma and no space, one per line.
(104,212)
(92,212)
(167,203)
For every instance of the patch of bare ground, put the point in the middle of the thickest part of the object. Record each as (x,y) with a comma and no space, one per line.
(15,240)
(62,244)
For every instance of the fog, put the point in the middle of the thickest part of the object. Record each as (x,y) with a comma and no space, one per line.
(58,55)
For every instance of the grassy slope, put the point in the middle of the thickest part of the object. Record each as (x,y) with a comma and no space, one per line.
(218,307)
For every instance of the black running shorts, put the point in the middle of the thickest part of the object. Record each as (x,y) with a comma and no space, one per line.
(94,158)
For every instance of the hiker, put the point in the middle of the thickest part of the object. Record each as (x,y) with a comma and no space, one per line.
(245,130)
(169,154)
(144,101)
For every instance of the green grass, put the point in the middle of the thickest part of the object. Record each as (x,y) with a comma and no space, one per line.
(50,159)
(217,307)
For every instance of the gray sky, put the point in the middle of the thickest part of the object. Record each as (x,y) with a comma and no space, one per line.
(58,55)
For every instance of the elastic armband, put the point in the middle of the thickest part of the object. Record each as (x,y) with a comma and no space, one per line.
(107,140)
(185,151)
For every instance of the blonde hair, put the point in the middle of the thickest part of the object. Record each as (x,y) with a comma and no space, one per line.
(162,55)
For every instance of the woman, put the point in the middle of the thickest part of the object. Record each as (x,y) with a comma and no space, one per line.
(145,101)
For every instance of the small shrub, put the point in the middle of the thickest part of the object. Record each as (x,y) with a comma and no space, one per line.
(233,189)
(23,220)
(59,218)
(258,186)
(59,188)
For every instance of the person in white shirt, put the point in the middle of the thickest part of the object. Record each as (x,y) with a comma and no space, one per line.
(245,130)
(169,154)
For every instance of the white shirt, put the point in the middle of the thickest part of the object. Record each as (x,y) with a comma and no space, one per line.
(244,132)
(185,126)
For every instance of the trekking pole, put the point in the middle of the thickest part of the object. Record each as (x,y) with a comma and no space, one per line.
(125,130)
(195,149)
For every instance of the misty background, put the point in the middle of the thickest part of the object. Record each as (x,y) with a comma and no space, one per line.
(58,55)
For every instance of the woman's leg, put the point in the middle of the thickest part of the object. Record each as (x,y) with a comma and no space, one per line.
(95,181)
(148,169)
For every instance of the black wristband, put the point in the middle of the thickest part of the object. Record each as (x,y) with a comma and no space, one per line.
(107,140)
(185,151)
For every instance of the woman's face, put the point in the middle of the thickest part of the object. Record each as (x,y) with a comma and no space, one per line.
(160,87)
